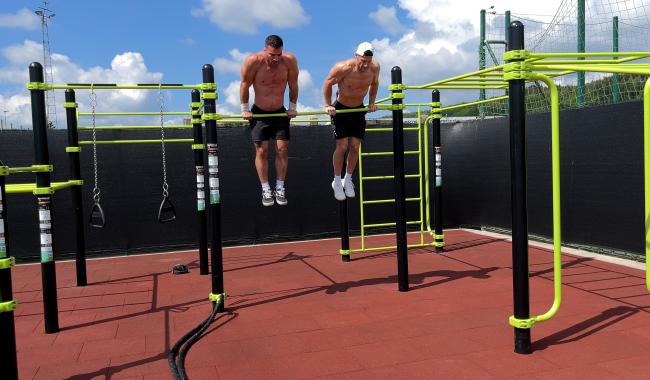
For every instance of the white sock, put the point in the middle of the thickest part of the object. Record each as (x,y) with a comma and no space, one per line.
(279,184)
(265,186)
(348,177)
(337,178)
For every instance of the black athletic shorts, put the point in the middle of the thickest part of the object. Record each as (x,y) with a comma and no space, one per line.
(267,128)
(351,124)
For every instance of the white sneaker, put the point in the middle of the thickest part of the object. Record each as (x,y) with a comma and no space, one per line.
(349,188)
(280,196)
(337,186)
(267,198)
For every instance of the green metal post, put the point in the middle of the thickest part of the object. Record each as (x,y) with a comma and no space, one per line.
(616,92)
(580,90)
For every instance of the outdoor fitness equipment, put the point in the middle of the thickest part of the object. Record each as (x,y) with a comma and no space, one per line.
(97,217)
(166,211)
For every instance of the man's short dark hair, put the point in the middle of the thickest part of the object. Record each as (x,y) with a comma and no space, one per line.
(273,41)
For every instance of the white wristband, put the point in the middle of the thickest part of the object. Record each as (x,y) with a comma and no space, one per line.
(244,107)
(292,106)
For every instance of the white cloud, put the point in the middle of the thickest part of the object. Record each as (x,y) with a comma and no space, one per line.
(23,19)
(125,68)
(245,17)
(230,65)
(386,18)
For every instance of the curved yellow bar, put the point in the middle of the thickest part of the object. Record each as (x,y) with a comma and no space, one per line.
(557,216)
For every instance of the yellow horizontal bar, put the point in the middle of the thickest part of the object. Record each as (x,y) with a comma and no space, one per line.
(387,248)
(389,224)
(443,81)
(640,54)
(388,177)
(133,127)
(474,103)
(621,69)
(99,142)
(379,201)
(388,153)
(134,113)
(17,188)
(124,87)
(390,129)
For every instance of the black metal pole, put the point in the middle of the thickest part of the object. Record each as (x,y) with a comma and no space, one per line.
(345,228)
(42,157)
(74,151)
(517,102)
(8,358)
(199,166)
(400,189)
(209,107)
(437,187)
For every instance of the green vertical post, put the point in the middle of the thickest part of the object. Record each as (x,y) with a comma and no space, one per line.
(616,91)
(481,58)
(580,90)
(507,24)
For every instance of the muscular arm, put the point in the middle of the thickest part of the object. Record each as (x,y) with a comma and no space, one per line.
(247,79)
(374,86)
(293,79)
(334,77)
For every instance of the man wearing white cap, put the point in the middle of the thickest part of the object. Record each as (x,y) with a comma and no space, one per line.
(354,78)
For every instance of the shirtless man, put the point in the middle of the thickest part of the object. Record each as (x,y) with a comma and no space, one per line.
(269,71)
(354,78)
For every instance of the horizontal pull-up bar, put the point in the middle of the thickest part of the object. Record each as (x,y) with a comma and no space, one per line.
(106,142)
(188,113)
(132,127)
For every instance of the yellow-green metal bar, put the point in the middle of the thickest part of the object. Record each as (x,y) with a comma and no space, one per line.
(391,224)
(134,113)
(388,248)
(242,121)
(646,175)
(18,188)
(382,201)
(30,169)
(638,55)
(466,75)
(468,87)
(123,87)
(557,216)
(377,177)
(388,153)
(474,83)
(389,129)
(100,142)
(581,62)
(474,103)
(425,132)
(283,114)
(621,69)
(363,230)
(133,127)
(420,174)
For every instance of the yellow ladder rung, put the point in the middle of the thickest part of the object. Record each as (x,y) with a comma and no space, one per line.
(367,154)
(389,224)
(389,177)
(378,201)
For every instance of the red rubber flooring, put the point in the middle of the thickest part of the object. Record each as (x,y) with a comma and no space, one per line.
(296,311)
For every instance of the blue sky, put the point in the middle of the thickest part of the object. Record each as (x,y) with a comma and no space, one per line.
(141,41)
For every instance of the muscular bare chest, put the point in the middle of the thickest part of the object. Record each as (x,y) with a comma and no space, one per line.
(272,76)
(357,80)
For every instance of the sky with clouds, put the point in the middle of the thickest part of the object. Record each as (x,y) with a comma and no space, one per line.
(133,41)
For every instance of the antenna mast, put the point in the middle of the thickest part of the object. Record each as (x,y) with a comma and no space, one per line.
(46,14)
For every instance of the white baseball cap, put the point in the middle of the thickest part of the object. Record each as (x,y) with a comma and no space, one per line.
(365,48)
